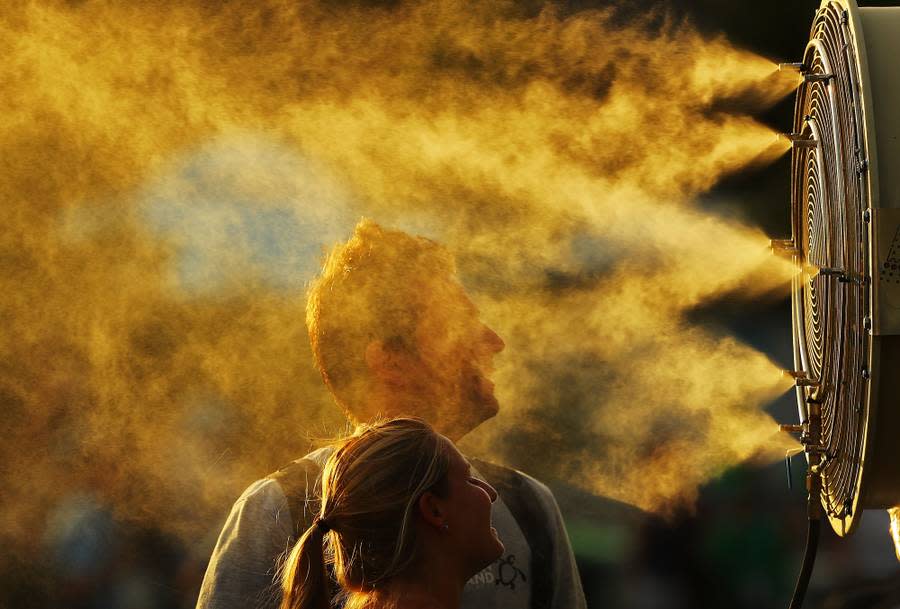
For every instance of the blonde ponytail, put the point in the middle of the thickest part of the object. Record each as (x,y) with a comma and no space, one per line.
(304,581)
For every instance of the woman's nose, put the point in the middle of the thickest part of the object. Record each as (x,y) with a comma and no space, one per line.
(490,490)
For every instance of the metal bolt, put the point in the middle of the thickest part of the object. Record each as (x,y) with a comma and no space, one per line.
(867,216)
(829,272)
(865,373)
(867,322)
(809,77)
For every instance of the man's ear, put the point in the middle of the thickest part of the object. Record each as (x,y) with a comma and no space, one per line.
(386,364)
(431,510)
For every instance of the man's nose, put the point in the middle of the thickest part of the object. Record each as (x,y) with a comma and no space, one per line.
(493,341)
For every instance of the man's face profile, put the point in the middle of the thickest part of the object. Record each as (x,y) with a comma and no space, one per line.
(456,350)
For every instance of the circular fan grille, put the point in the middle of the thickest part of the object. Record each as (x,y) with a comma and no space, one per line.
(828,220)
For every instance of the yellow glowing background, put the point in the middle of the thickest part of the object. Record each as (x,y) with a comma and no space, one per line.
(172,171)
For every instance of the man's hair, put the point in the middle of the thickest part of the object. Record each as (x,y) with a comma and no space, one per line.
(372,288)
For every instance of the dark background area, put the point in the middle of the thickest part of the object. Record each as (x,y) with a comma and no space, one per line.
(739,547)
(742,546)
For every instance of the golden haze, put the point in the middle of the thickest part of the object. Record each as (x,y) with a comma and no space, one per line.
(150,358)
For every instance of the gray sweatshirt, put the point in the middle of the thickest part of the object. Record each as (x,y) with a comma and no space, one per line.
(259,531)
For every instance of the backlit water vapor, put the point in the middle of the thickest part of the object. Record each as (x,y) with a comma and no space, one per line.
(171,172)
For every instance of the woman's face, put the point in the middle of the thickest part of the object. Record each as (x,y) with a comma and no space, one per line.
(467,508)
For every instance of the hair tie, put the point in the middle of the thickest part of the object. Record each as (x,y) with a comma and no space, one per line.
(322,524)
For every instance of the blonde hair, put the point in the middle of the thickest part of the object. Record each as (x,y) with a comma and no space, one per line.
(372,287)
(370,487)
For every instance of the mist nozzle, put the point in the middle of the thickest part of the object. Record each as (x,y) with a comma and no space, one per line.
(792,67)
(801,378)
(784,247)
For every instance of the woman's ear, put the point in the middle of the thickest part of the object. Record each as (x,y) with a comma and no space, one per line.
(431,510)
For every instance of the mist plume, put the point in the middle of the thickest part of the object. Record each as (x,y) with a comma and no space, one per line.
(171,174)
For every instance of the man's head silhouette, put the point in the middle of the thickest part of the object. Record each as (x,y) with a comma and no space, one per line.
(394,333)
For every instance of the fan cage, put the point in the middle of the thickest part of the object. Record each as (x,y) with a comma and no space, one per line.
(829,203)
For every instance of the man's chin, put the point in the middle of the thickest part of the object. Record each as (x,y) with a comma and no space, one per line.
(490,407)
(482,408)
(483,398)
(470,415)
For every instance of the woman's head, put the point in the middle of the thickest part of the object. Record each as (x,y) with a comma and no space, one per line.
(394,496)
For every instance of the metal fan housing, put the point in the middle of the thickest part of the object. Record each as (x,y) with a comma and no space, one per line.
(845,216)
